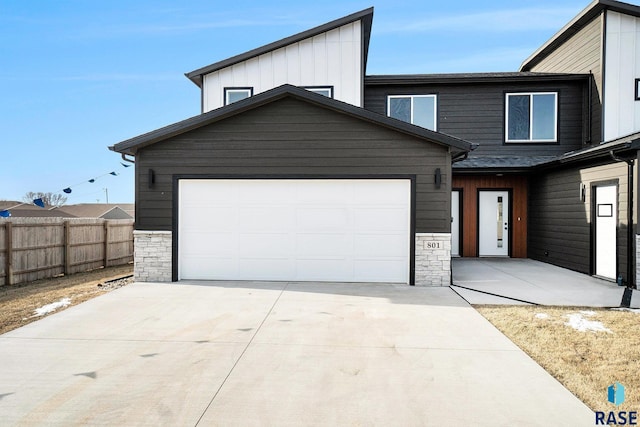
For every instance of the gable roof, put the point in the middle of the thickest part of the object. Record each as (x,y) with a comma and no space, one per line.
(366,16)
(94,210)
(23,209)
(130,146)
(576,24)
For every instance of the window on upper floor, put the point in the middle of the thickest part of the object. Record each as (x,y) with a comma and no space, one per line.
(420,110)
(532,117)
(322,90)
(234,94)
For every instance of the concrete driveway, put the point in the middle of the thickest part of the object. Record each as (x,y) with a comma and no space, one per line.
(275,354)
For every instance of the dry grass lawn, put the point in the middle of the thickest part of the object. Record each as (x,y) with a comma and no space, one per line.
(19,302)
(585,362)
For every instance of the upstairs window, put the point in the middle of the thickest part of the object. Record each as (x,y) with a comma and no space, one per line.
(532,117)
(322,90)
(234,94)
(420,110)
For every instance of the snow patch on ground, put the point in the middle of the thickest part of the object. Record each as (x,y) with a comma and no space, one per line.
(542,316)
(578,322)
(50,308)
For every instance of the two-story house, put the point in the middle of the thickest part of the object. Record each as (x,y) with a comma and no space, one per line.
(302,167)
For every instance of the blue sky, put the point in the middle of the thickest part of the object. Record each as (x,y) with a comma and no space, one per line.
(78,76)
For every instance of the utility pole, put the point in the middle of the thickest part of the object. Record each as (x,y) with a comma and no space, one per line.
(106,193)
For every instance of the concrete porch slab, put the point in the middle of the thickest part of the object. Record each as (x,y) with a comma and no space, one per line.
(525,281)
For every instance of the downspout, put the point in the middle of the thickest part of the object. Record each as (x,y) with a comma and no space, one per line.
(630,251)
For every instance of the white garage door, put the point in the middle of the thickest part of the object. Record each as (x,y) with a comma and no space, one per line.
(298,230)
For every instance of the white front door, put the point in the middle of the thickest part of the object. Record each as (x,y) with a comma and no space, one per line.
(493,223)
(606,220)
(455,223)
(343,230)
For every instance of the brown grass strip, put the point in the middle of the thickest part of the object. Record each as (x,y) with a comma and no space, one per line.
(586,363)
(18,302)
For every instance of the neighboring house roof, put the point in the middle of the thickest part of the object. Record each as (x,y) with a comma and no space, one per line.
(466,78)
(97,210)
(366,16)
(24,210)
(131,146)
(589,13)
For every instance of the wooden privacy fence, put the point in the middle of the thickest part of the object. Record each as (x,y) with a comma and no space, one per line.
(39,248)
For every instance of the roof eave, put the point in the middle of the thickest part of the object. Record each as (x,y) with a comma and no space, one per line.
(462,78)
(366,16)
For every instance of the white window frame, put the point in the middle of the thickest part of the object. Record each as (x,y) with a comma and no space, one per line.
(412,97)
(320,89)
(229,90)
(531,140)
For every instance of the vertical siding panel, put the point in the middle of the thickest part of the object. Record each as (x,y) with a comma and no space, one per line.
(252,72)
(279,59)
(293,64)
(307,69)
(266,72)
(320,58)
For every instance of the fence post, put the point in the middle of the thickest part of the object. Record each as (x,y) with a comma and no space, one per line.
(67,247)
(8,238)
(106,243)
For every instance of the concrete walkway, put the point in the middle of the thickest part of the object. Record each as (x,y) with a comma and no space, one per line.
(522,281)
(275,354)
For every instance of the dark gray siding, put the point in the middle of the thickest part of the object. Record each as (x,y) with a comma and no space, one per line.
(560,229)
(291,137)
(476,113)
(582,53)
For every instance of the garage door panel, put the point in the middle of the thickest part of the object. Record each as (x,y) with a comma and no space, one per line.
(391,191)
(265,268)
(263,193)
(381,246)
(323,219)
(209,243)
(324,230)
(272,218)
(256,245)
(378,270)
(322,192)
(324,270)
(375,219)
(323,245)
(200,268)
(220,218)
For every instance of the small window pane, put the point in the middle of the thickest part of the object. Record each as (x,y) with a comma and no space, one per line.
(518,117)
(321,90)
(234,95)
(400,108)
(544,117)
(424,112)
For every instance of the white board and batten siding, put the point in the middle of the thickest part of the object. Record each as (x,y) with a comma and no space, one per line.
(300,230)
(622,67)
(329,59)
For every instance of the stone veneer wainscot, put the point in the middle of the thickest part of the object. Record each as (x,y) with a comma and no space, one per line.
(152,256)
(433,259)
